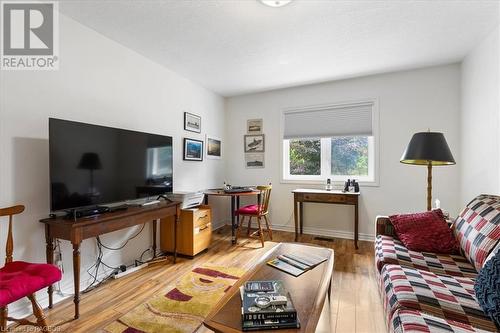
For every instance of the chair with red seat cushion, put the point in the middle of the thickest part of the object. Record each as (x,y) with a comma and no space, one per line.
(260,211)
(20,279)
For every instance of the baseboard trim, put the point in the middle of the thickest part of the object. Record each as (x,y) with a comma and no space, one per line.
(314,231)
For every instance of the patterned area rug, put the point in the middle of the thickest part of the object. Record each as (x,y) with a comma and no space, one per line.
(183,307)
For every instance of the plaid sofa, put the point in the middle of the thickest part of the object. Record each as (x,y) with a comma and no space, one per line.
(430,292)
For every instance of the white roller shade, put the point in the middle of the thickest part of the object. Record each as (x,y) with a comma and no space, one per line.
(341,120)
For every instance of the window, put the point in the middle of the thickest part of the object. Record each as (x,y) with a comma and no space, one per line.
(336,142)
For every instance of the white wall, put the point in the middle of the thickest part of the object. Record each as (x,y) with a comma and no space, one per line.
(480,117)
(99,82)
(409,101)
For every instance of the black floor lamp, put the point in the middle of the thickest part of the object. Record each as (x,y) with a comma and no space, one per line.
(431,149)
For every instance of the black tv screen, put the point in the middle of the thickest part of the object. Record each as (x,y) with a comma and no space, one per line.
(92,165)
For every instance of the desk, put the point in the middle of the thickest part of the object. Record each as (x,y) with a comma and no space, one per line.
(322,196)
(308,291)
(235,205)
(77,230)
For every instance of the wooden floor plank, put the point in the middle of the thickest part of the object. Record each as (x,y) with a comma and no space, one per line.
(355,304)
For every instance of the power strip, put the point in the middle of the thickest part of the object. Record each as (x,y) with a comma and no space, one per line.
(130,271)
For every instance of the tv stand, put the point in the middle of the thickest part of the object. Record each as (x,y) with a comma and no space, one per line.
(76,230)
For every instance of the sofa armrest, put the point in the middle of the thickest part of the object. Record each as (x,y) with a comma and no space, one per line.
(384,226)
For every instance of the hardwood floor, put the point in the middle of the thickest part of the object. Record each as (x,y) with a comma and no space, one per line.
(355,303)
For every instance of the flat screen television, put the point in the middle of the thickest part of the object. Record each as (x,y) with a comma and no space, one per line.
(93,165)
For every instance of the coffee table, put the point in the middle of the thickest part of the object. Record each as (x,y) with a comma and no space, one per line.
(308,291)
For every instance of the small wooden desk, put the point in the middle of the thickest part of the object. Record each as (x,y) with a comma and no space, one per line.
(235,205)
(322,196)
(308,291)
(77,230)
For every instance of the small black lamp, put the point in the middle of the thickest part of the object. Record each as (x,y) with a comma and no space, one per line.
(431,149)
(91,162)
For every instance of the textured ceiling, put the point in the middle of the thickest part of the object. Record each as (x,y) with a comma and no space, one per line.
(240,46)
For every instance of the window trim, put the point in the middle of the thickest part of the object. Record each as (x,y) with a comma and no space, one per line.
(315,180)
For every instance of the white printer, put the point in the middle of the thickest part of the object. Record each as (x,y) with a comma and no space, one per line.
(187,199)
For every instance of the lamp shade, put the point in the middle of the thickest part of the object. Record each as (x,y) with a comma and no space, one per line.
(90,161)
(428,148)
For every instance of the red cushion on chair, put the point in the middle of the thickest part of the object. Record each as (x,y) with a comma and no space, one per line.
(249,210)
(425,232)
(19,279)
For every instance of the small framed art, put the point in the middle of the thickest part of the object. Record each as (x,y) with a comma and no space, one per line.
(192,122)
(193,150)
(214,147)
(254,143)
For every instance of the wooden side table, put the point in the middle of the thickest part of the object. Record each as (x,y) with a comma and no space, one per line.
(235,205)
(322,196)
(77,230)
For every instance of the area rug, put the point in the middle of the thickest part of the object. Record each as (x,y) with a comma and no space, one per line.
(182,308)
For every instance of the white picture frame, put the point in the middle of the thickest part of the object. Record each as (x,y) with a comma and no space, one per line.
(213,148)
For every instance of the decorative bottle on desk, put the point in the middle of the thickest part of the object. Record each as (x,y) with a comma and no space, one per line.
(328,186)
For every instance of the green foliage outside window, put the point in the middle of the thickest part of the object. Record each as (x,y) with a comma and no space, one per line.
(305,157)
(350,156)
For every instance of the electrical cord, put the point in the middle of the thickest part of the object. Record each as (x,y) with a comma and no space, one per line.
(121,247)
(93,270)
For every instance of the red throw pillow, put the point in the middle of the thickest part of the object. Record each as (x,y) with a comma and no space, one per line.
(425,232)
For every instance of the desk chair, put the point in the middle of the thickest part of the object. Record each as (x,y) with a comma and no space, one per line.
(20,279)
(260,211)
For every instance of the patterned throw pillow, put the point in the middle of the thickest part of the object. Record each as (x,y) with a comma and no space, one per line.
(477,228)
(425,232)
(487,288)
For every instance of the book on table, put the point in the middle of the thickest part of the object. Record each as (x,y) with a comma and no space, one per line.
(267,305)
(296,264)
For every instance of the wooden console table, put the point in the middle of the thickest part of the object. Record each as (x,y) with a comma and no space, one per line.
(308,291)
(322,196)
(77,230)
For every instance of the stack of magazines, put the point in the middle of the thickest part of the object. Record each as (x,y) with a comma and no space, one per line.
(296,264)
(267,305)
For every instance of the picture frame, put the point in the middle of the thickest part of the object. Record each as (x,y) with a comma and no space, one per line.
(254,160)
(254,126)
(192,122)
(254,143)
(213,147)
(193,150)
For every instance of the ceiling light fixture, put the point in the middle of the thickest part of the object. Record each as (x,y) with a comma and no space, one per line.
(275,3)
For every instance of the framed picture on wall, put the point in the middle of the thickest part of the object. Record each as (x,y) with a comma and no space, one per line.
(254,126)
(192,122)
(254,160)
(254,143)
(214,147)
(193,150)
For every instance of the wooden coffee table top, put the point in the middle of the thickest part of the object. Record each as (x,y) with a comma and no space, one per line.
(308,291)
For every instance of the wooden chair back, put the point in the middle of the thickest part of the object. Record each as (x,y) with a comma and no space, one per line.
(265,196)
(10,211)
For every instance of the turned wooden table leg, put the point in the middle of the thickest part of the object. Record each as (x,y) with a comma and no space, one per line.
(50,259)
(176,222)
(154,238)
(76,277)
(356,223)
(296,218)
(301,213)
